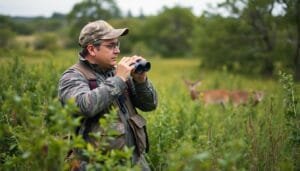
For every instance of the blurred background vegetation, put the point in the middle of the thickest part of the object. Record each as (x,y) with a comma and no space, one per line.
(256,37)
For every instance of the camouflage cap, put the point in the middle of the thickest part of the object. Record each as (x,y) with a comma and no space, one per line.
(99,29)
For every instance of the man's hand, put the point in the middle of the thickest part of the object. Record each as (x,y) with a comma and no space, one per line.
(125,67)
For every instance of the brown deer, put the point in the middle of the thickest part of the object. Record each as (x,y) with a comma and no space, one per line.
(221,96)
(209,96)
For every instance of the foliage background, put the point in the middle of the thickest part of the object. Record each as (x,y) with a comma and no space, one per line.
(245,50)
(263,35)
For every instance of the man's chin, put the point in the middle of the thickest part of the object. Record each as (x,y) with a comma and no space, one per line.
(113,65)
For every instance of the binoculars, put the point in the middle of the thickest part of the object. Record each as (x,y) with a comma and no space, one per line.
(141,66)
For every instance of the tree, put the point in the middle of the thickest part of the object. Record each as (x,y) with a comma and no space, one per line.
(270,37)
(292,16)
(7,37)
(170,32)
(6,32)
(258,15)
(225,43)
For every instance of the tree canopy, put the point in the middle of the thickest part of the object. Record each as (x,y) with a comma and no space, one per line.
(258,37)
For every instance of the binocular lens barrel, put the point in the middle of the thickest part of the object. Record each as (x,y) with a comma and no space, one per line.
(142,66)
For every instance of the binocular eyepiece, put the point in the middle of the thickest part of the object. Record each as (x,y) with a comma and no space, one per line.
(141,66)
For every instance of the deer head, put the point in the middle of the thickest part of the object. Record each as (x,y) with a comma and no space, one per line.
(192,88)
(216,96)
(257,96)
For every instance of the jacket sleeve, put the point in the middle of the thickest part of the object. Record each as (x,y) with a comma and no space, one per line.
(144,95)
(91,102)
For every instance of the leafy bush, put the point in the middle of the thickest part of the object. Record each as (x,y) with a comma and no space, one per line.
(47,41)
(184,135)
(35,128)
(7,38)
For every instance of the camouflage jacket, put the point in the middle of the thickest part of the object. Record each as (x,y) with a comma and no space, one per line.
(94,103)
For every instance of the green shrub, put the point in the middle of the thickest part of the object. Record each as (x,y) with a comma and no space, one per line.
(184,135)
(7,37)
(46,41)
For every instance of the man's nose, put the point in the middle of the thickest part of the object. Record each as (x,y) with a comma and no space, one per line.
(117,50)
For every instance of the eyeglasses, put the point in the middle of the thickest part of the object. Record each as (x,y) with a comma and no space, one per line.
(112,46)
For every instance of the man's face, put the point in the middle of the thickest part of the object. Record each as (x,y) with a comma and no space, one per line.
(106,54)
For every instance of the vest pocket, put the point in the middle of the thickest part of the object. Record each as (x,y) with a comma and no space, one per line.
(137,124)
(117,141)
(113,139)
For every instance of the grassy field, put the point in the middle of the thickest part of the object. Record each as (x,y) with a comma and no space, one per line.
(184,134)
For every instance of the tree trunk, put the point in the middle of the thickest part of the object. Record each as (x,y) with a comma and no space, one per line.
(297,54)
(266,31)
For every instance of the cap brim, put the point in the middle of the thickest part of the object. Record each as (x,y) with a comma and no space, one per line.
(115,33)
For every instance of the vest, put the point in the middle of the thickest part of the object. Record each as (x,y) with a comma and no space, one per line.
(136,122)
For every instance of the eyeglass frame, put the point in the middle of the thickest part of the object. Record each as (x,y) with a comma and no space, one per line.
(111,46)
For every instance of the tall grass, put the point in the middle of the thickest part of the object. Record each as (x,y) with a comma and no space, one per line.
(184,135)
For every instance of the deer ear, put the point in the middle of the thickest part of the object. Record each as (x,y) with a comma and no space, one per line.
(187,82)
(197,83)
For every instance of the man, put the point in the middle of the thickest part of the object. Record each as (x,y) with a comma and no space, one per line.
(99,83)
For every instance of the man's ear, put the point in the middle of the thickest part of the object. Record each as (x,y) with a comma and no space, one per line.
(91,50)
